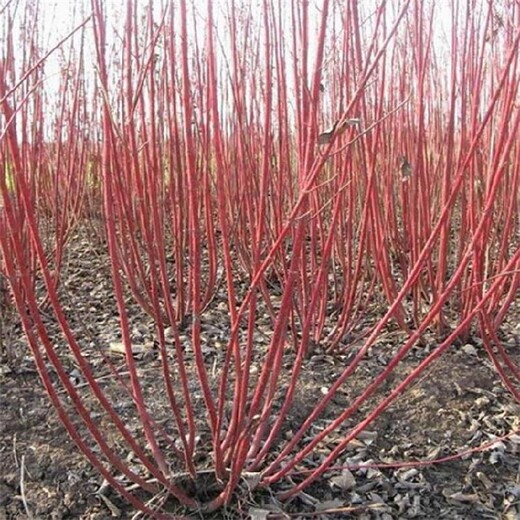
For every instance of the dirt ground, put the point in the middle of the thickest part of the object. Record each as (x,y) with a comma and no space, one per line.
(458,406)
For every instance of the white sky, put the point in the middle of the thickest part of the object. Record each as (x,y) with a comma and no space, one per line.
(59,17)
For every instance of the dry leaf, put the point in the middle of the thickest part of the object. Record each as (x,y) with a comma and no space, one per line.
(307,499)
(252,479)
(434,453)
(325,137)
(512,514)
(405,166)
(119,348)
(515,438)
(465,497)
(488,484)
(344,481)
(469,349)
(355,444)
(329,504)
(407,474)
(114,510)
(255,513)
(367,436)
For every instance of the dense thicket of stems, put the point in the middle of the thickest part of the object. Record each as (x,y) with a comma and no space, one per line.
(343,171)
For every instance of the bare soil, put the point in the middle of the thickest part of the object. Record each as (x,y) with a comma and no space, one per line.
(458,406)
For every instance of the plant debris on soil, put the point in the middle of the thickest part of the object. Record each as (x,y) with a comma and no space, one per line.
(458,407)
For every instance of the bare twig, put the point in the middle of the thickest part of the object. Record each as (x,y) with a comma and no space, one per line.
(22,489)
